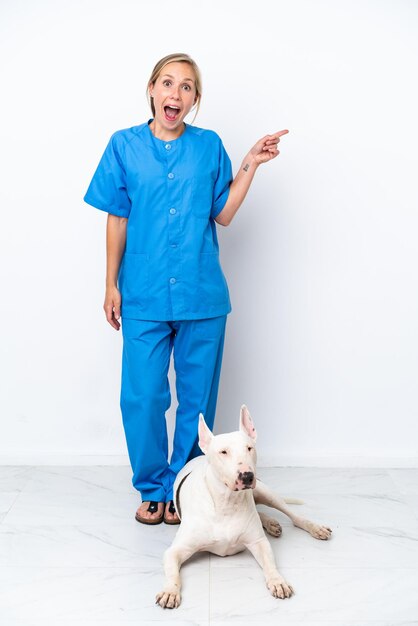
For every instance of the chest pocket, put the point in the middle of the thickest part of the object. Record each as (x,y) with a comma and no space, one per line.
(202,195)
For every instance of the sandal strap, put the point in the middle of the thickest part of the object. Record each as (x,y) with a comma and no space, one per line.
(171,508)
(153,507)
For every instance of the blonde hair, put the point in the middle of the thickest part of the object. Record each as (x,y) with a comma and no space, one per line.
(178,57)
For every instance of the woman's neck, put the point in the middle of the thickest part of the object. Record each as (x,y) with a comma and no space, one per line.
(166,134)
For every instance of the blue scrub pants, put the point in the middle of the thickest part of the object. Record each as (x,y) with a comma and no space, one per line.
(145,395)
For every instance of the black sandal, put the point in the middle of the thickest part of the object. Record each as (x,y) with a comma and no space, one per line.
(152,508)
(171,510)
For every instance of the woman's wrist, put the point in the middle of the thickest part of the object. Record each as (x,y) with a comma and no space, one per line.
(249,162)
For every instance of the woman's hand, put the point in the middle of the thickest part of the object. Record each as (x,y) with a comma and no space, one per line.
(112,306)
(266,148)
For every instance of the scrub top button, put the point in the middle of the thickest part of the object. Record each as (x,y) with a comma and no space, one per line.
(171,175)
(172,281)
(168,146)
(172,211)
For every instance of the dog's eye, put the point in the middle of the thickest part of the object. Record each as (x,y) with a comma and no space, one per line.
(223,451)
(249,448)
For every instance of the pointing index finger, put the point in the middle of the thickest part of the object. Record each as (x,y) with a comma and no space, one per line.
(275,138)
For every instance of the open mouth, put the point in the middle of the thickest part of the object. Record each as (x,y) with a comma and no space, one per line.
(171,113)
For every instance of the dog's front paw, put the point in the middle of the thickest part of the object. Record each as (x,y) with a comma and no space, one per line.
(279,588)
(320,532)
(168,599)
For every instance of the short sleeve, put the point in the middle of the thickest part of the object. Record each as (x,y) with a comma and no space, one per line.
(222,182)
(107,190)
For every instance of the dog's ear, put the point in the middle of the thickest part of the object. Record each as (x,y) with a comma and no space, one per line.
(246,423)
(205,434)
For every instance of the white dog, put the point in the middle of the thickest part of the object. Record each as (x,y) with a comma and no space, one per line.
(215,496)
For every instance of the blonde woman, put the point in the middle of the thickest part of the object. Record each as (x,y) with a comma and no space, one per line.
(165,184)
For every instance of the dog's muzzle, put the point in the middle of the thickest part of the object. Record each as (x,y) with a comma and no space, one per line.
(245,480)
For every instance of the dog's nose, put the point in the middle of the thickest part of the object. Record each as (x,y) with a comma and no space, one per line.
(246,477)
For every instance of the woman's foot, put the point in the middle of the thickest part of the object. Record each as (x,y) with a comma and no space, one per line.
(150,512)
(170,515)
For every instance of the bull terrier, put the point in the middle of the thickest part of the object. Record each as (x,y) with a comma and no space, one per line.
(215,496)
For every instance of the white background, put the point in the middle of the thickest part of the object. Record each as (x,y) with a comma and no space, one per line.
(321,258)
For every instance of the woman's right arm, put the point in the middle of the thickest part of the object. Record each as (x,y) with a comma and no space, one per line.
(115,246)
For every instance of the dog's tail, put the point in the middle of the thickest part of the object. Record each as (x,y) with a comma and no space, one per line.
(293,501)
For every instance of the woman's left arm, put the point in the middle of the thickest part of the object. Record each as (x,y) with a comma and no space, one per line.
(264,150)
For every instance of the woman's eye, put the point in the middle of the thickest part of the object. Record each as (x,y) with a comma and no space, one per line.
(188,87)
(165,82)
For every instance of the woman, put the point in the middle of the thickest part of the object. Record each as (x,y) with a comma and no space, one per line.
(164,184)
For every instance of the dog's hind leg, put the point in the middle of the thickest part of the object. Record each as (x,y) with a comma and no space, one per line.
(265,495)
(270,524)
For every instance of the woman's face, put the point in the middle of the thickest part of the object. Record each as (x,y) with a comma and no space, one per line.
(174,94)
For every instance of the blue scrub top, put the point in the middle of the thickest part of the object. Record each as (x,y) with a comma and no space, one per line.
(170,191)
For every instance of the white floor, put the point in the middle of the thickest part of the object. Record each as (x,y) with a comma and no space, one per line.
(71,553)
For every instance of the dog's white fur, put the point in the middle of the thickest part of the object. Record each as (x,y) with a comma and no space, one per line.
(216,505)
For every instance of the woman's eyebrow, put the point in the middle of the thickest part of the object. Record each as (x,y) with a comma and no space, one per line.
(190,79)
